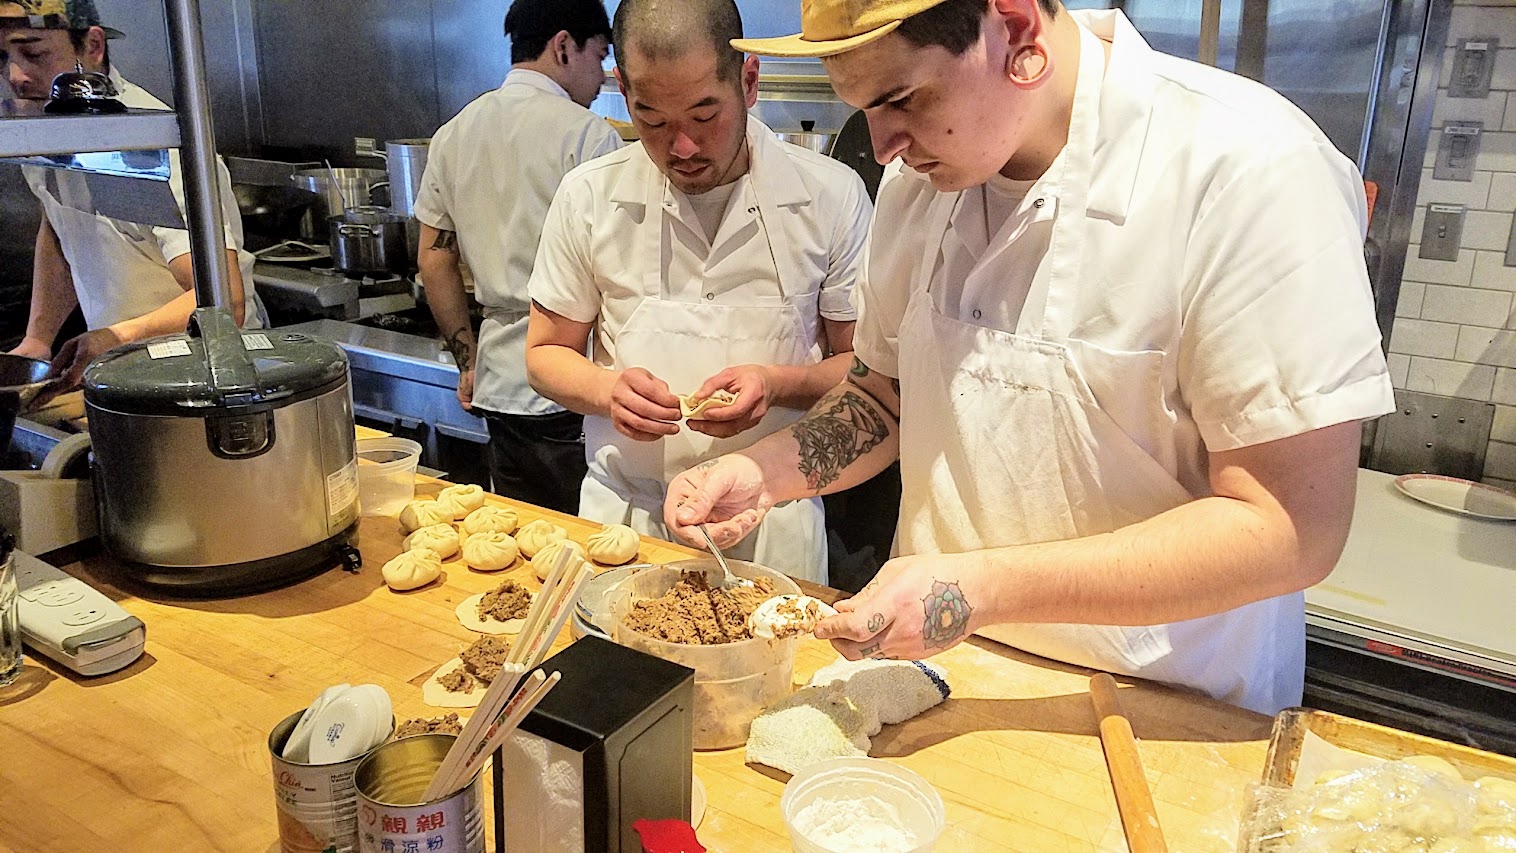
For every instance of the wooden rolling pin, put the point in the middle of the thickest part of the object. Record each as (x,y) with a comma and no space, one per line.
(1134,801)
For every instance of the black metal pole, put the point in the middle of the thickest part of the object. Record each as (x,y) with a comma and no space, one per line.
(197,156)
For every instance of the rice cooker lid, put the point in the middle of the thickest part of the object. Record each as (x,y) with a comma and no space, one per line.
(171,375)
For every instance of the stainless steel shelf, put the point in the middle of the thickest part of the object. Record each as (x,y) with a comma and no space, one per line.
(138,130)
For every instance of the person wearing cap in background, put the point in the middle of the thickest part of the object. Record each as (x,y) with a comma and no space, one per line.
(132,281)
(490,175)
(1115,323)
(710,257)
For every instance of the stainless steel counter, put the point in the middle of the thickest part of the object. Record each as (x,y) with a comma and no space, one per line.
(407,385)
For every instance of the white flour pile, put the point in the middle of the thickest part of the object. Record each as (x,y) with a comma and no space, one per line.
(855,825)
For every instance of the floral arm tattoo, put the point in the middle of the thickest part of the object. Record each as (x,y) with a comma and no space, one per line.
(946,615)
(447,241)
(832,439)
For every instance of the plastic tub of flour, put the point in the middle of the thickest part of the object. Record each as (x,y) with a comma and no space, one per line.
(853,805)
(733,681)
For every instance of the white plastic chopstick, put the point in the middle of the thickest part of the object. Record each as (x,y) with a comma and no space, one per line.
(535,688)
(568,598)
(540,606)
(499,693)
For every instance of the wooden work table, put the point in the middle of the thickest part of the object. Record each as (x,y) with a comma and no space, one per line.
(171,753)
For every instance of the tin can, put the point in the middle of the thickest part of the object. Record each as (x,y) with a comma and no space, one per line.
(317,804)
(391,815)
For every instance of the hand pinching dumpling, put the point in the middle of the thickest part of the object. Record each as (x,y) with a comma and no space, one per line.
(489,552)
(542,564)
(462,499)
(424,512)
(440,538)
(490,519)
(412,569)
(535,535)
(613,545)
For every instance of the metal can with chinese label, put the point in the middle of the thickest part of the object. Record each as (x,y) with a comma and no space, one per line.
(317,804)
(391,782)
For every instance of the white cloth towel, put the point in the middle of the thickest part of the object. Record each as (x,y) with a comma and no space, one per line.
(845,704)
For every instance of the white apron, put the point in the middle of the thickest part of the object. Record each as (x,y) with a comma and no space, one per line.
(685,343)
(117,267)
(1003,443)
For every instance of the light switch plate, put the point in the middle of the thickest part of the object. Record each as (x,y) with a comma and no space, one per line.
(1473,66)
(1441,236)
(1456,152)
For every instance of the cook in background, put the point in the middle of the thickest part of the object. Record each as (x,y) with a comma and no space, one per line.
(712,256)
(1116,326)
(132,281)
(490,174)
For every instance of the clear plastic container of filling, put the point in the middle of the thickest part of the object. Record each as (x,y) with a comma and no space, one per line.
(733,681)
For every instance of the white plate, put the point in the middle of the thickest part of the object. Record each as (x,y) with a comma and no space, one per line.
(697,801)
(344,728)
(1460,496)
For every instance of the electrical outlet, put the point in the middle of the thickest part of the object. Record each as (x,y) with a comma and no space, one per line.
(1456,152)
(1443,230)
(1473,66)
(365,146)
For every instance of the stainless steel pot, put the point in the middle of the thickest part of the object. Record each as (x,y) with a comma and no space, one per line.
(336,190)
(405,161)
(367,240)
(821,143)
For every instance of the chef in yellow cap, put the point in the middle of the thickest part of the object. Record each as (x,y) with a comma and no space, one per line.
(1115,324)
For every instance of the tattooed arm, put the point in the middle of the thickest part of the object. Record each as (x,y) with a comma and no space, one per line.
(850,435)
(441,276)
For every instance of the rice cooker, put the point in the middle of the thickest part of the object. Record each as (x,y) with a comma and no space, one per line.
(224,464)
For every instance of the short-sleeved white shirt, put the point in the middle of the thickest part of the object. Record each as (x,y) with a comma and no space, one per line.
(491,172)
(1224,237)
(595,267)
(131,277)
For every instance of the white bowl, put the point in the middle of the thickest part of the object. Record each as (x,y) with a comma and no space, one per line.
(848,804)
(344,729)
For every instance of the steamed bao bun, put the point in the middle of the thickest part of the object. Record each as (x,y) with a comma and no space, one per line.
(613,545)
(440,538)
(412,569)
(424,512)
(535,535)
(489,552)
(461,499)
(542,564)
(489,519)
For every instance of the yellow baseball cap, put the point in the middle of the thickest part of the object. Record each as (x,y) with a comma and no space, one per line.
(830,27)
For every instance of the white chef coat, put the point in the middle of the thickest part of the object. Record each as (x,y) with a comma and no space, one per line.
(591,268)
(490,175)
(786,254)
(120,269)
(1215,297)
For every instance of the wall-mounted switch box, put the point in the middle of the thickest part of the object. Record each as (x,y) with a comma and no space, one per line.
(1442,233)
(1456,152)
(1473,65)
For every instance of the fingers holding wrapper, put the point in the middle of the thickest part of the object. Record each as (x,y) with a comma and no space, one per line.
(693,408)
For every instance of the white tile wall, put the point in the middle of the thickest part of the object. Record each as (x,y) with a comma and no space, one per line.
(1455,332)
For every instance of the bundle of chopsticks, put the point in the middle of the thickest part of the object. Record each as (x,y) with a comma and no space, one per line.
(513,694)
